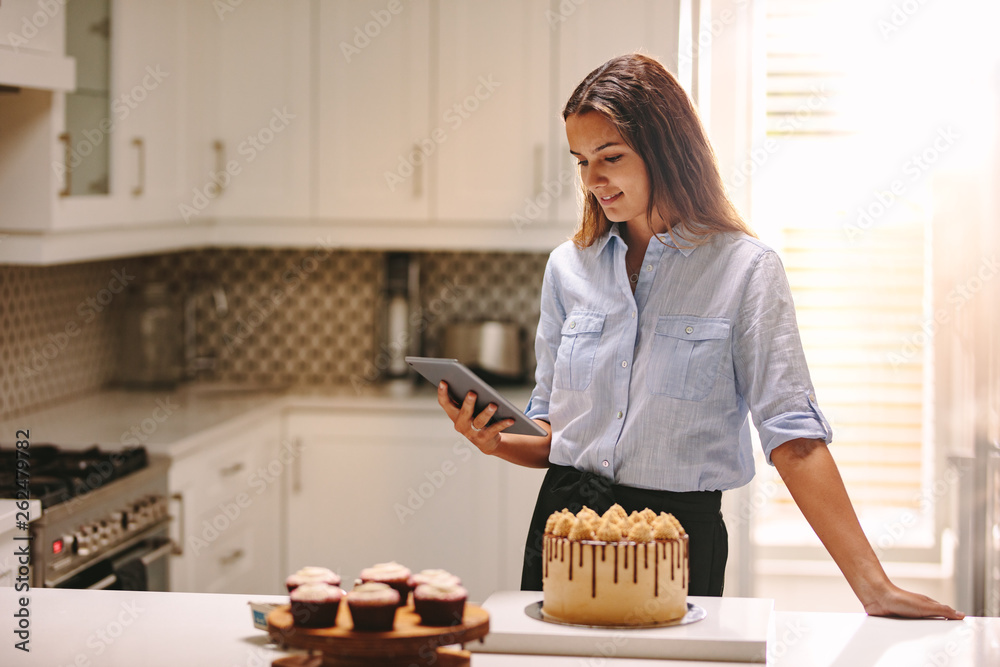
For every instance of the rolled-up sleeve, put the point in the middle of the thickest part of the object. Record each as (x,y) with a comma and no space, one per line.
(769,362)
(547,340)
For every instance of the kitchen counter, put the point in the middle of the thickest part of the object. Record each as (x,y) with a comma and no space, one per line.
(172,423)
(125,628)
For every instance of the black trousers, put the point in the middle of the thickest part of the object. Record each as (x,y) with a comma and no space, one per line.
(698,511)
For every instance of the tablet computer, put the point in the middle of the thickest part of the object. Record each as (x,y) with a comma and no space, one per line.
(461,381)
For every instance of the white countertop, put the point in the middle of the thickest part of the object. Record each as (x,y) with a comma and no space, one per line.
(124,629)
(171,423)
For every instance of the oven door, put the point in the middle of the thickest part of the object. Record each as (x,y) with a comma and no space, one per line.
(142,567)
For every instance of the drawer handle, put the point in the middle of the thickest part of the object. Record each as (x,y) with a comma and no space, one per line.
(231,557)
(178,548)
(141,185)
(67,156)
(220,162)
(229,471)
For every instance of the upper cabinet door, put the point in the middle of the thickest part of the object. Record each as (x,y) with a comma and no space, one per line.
(492,110)
(121,142)
(592,33)
(247,136)
(375,140)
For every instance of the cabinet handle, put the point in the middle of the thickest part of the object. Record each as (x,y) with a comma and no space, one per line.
(539,168)
(178,549)
(141,186)
(67,155)
(231,470)
(220,162)
(231,557)
(297,467)
(418,176)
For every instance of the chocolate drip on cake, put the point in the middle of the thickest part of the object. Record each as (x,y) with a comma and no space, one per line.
(593,569)
(672,566)
(570,560)
(656,569)
(616,564)
(645,555)
(635,564)
(546,554)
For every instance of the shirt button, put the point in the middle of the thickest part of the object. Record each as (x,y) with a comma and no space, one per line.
(649,267)
(619,414)
(812,397)
(633,314)
(689,330)
(572,325)
(624,364)
(605,464)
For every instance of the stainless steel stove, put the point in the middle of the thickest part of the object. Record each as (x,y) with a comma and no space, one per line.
(104,520)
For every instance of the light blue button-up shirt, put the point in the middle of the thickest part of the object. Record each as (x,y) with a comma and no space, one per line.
(652,390)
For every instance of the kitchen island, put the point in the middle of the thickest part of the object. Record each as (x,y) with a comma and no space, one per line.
(124,629)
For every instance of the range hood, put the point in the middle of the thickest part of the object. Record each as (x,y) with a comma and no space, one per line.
(26,70)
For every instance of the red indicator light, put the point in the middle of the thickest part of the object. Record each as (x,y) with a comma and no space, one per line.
(57,546)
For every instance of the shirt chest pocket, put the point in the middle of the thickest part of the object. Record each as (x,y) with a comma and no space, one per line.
(686,356)
(581,334)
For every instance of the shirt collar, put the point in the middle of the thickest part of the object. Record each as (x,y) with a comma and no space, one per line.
(665,238)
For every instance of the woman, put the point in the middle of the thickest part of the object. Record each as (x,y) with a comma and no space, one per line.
(662,323)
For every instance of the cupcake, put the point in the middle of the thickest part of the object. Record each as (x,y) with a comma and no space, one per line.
(440,603)
(432,577)
(392,574)
(312,575)
(373,606)
(315,605)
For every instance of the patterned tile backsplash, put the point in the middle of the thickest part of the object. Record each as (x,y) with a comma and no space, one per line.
(298,317)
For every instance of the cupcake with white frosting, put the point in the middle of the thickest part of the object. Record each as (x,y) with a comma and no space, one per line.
(391,573)
(373,606)
(440,603)
(315,605)
(312,575)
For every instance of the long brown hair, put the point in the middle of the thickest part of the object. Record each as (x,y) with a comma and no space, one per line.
(657,120)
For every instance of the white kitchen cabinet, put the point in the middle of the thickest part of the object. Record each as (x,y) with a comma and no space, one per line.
(246,123)
(138,125)
(145,91)
(372,486)
(493,109)
(227,503)
(32,46)
(375,138)
(593,32)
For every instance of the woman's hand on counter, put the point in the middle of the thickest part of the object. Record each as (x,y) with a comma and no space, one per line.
(812,477)
(900,603)
(526,450)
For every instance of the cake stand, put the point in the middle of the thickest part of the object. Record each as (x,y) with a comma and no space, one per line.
(409,643)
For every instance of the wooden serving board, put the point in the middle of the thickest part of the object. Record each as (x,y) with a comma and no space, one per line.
(409,643)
